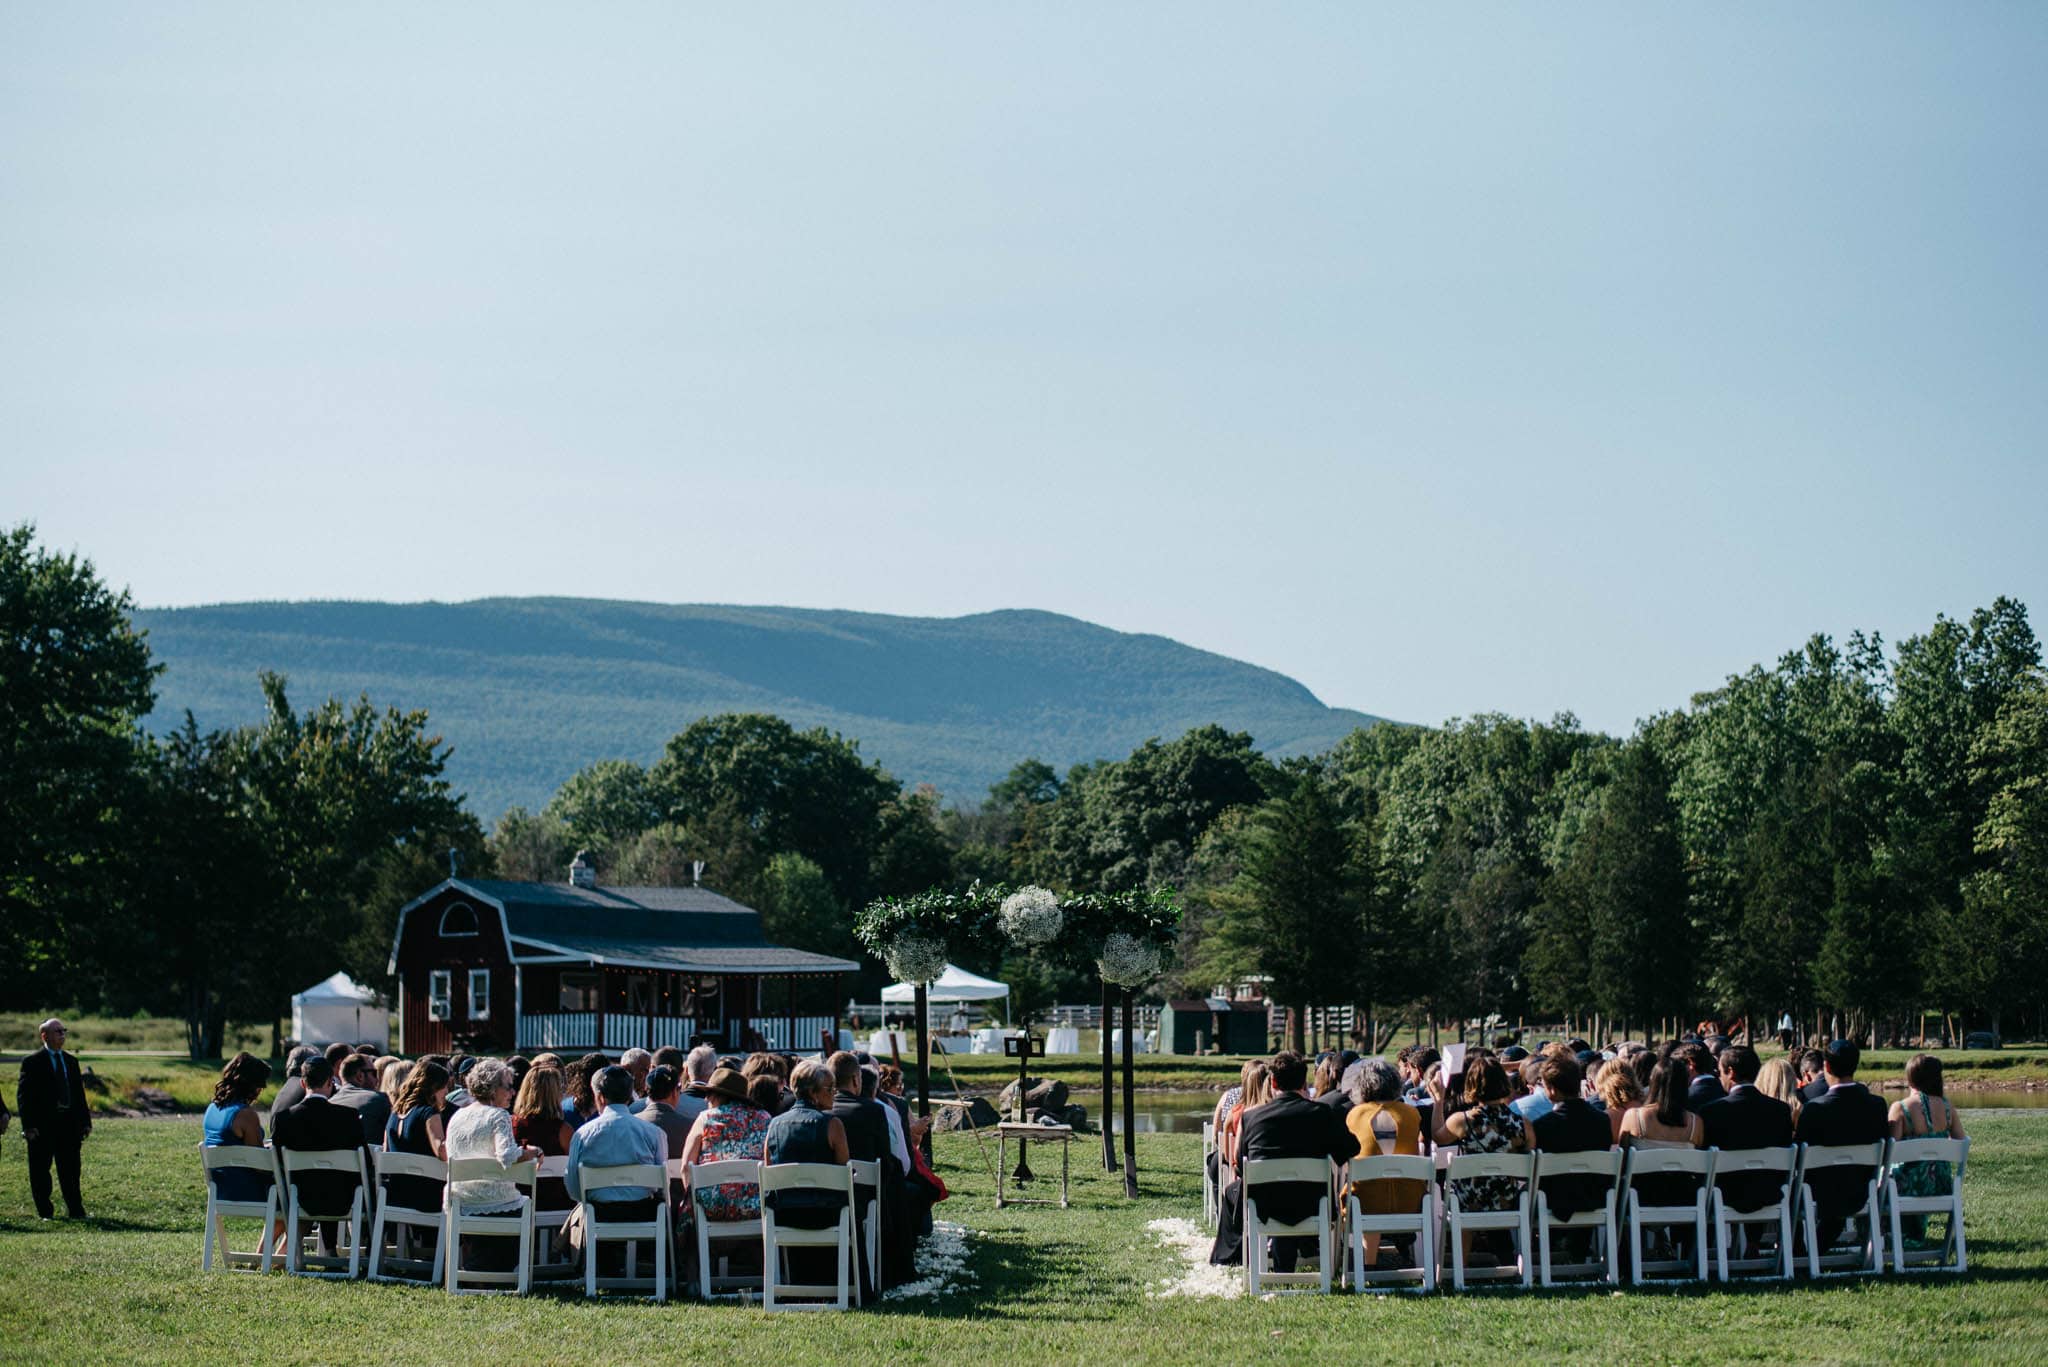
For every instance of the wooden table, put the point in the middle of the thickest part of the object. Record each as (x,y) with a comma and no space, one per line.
(1023,1132)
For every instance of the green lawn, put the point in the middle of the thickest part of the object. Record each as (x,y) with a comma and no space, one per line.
(1051,1285)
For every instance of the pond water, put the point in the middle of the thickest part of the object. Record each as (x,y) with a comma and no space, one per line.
(1184,1112)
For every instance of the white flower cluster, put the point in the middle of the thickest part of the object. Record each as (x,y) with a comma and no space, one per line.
(1127,960)
(941,1265)
(1030,916)
(916,958)
(1197,1278)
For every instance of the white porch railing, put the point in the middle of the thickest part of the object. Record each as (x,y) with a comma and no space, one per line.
(559,1030)
(578,1030)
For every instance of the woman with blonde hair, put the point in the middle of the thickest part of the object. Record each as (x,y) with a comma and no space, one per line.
(1619,1092)
(1775,1079)
(1257,1091)
(537,1121)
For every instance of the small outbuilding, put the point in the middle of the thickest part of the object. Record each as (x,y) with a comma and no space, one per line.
(1195,1025)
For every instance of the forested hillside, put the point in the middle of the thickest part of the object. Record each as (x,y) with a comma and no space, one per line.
(529,690)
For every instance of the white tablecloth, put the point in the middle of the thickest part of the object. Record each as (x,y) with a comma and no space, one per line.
(1063,1039)
(1141,1043)
(989,1040)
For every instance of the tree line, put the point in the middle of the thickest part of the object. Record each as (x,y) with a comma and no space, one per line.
(1853,835)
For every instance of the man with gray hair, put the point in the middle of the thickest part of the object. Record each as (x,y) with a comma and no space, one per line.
(614,1138)
(637,1062)
(293,1089)
(697,1070)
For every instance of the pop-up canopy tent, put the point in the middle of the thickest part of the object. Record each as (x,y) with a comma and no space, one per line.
(337,1010)
(954,985)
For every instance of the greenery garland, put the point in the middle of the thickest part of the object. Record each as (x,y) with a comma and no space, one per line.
(970,919)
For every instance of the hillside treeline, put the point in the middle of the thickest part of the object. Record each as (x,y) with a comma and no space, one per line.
(1853,835)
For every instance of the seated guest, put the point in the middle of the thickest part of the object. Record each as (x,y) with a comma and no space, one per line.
(1663,1122)
(415,1127)
(579,1095)
(317,1125)
(293,1089)
(1813,1082)
(1705,1085)
(760,1065)
(231,1122)
(1257,1090)
(520,1066)
(616,1138)
(1531,1101)
(458,1083)
(1846,1114)
(1746,1118)
(337,1053)
(537,1124)
(1571,1125)
(1776,1079)
(483,1129)
(730,1128)
(1382,1123)
(1924,1114)
(1287,1126)
(1485,1124)
(1619,1092)
(868,1139)
(1231,1095)
(668,1110)
(697,1070)
(1325,1091)
(809,1132)
(391,1079)
(358,1091)
(639,1063)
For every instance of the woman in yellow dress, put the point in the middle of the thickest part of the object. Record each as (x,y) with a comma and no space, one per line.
(1383,1123)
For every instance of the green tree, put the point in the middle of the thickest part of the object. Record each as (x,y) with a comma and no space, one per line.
(605,806)
(531,848)
(75,680)
(799,908)
(1994,952)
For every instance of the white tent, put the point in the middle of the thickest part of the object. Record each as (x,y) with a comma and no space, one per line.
(954,985)
(336,1010)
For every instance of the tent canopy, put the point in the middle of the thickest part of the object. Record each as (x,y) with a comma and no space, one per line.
(339,988)
(954,985)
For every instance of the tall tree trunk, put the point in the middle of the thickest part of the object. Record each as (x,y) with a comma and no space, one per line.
(1109,1158)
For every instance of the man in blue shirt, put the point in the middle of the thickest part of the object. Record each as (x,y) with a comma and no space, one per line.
(616,1138)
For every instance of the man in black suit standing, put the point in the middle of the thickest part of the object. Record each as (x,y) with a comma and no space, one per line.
(54,1119)
(1847,1114)
(359,1093)
(317,1125)
(1705,1087)
(1292,1126)
(1746,1119)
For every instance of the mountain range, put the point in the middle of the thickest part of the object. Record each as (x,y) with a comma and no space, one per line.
(528,690)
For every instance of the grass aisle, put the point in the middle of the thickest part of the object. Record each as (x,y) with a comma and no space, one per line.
(1048,1286)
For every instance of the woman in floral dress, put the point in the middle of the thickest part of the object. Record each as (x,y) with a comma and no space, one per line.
(731,1128)
(1488,1125)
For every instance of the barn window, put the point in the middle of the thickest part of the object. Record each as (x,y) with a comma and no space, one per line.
(440,986)
(479,994)
(579,992)
(459,919)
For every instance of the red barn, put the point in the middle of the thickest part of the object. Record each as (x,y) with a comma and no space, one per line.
(490,966)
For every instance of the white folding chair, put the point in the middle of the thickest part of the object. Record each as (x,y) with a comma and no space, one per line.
(776,1237)
(1211,1198)
(349,1224)
(1604,1164)
(1519,1168)
(867,1196)
(1953,1255)
(517,1224)
(656,1228)
(1728,1221)
(1637,1213)
(237,1158)
(1423,1223)
(1320,1227)
(711,1282)
(1868,1255)
(548,1224)
(401,1221)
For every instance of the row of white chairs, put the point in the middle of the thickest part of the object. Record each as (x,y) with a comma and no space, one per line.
(392,1225)
(1442,1220)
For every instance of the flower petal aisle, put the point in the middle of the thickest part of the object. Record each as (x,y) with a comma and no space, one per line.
(941,1265)
(1198,1278)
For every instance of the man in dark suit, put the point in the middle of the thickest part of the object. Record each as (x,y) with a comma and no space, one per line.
(1705,1087)
(1847,1114)
(867,1141)
(1746,1119)
(358,1092)
(1571,1125)
(54,1119)
(317,1125)
(1292,1126)
(1813,1082)
(293,1090)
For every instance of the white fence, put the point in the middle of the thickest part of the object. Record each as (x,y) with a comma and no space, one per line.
(578,1030)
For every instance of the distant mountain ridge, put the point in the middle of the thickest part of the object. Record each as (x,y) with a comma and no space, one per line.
(528,690)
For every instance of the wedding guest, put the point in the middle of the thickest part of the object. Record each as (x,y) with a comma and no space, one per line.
(317,1125)
(1383,1123)
(483,1129)
(537,1123)
(1288,1125)
(1924,1114)
(1775,1079)
(358,1092)
(1487,1124)
(616,1138)
(809,1132)
(231,1120)
(1746,1118)
(1619,1092)
(415,1127)
(292,1089)
(1846,1114)
(730,1128)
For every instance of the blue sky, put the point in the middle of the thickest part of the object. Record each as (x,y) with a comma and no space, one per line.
(1446,358)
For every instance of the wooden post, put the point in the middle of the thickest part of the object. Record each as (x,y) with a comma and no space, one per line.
(924,1055)
(1109,1159)
(1130,1106)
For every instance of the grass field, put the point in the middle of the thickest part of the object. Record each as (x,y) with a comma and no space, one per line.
(1049,1285)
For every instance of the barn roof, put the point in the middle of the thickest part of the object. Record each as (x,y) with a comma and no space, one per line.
(689,929)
